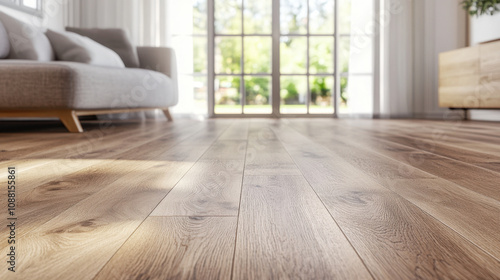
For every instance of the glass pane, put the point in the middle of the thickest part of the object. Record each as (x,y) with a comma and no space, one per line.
(356,54)
(322,14)
(200,56)
(357,21)
(228,16)
(200,95)
(321,55)
(193,95)
(258,54)
(33,4)
(190,17)
(227,55)
(227,95)
(258,95)
(356,94)
(293,55)
(293,95)
(192,51)
(293,16)
(199,16)
(258,16)
(322,89)
(344,7)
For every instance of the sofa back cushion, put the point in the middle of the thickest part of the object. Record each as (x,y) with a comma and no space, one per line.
(26,40)
(115,39)
(73,47)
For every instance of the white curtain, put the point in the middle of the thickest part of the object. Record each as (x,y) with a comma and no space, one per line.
(360,86)
(144,20)
(397,57)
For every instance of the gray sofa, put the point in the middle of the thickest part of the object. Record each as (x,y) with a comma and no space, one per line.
(67,90)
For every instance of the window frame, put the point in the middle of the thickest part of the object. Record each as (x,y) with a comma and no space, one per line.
(276,75)
(19,5)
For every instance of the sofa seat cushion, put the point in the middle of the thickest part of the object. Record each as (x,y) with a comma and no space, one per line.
(71,85)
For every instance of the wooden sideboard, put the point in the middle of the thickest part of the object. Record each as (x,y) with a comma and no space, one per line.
(469,78)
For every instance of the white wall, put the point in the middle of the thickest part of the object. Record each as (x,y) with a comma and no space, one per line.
(484,28)
(53,15)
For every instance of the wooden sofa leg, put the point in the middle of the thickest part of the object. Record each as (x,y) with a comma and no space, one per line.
(71,121)
(167,114)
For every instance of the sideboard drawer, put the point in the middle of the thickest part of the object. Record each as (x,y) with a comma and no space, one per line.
(459,92)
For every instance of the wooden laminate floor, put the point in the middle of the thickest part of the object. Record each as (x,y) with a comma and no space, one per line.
(254,199)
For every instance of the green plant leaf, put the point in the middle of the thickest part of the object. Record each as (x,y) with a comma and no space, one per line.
(481,7)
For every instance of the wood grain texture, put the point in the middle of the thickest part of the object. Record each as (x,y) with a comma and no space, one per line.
(284,232)
(460,92)
(210,188)
(257,199)
(176,248)
(213,186)
(52,188)
(71,121)
(395,239)
(439,197)
(489,57)
(112,214)
(490,89)
(459,63)
(469,77)
(266,155)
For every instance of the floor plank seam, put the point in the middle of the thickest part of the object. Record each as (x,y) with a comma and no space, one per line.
(154,139)
(322,202)
(89,167)
(149,215)
(462,187)
(433,153)
(418,207)
(239,205)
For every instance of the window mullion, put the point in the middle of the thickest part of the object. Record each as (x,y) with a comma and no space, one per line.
(242,60)
(336,91)
(211,57)
(276,78)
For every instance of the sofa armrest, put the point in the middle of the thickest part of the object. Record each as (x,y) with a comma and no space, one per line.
(160,59)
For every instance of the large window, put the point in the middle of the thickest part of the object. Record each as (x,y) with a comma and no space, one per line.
(29,6)
(275,57)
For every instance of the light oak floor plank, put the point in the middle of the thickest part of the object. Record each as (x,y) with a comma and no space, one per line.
(443,199)
(39,201)
(284,231)
(256,199)
(395,239)
(176,248)
(213,186)
(65,245)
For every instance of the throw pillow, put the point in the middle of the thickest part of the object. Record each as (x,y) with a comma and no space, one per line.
(115,39)
(73,47)
(26,40)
